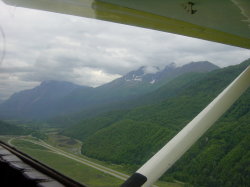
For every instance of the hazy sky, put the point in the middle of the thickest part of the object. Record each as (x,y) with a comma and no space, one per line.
(48,46)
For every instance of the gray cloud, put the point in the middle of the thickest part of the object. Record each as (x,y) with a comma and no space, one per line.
(45,46)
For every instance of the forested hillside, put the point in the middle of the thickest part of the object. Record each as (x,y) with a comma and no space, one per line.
(220,158)
(9,129)
(116,111)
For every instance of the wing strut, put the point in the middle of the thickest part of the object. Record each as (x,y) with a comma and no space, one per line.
(155,167)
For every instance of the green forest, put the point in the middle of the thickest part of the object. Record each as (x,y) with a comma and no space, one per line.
(10,129)
(130,136)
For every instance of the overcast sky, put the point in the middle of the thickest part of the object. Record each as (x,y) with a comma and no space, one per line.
(48,46)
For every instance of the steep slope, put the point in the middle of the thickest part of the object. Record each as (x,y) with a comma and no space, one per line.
(147,79)
(222,156)
(90,124)
(135,83)
(175,93)
(136,135)
(126,92)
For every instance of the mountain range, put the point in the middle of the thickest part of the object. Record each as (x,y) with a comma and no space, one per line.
(130,137)
(55,98)
(128,120)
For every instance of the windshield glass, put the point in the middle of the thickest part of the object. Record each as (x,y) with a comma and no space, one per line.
(95,99)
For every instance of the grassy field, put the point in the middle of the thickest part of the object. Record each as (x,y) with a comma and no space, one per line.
(74,146)
(65,143)
(73,169)
(6,138)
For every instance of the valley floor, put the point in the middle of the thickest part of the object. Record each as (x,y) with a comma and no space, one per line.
(63,154)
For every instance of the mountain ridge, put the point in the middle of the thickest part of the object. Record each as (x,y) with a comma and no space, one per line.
(47,93)
(54,98)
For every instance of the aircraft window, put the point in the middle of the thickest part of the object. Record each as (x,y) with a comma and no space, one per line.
(95,100)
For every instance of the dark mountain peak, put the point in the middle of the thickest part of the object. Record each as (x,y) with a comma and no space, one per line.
(139,71)
(57,83)
(49,82)
(141,68)
(200,66)
(169,67)
(49,88)
(38,100)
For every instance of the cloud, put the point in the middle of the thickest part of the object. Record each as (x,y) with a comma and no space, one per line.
(150,69)
(10,83)
(44,46)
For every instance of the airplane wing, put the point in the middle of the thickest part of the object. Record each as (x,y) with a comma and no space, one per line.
(223,21)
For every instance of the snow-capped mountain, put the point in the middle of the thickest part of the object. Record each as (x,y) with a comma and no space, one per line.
(153,74)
